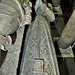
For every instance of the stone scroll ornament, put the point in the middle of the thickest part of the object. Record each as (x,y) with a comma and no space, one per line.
(12,17)
(39,56)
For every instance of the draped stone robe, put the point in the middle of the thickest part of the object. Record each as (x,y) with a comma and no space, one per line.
(39,56)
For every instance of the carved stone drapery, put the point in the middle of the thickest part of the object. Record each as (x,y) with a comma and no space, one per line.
(39,50)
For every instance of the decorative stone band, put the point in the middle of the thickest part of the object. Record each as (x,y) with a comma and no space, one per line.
(65,51)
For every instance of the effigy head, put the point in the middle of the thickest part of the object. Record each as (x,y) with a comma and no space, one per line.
(8,24)
(12,17)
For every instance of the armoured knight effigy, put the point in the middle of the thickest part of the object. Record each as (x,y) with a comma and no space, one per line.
(39,56)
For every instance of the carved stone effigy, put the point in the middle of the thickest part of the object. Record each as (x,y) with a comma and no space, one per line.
(39,57)
(10,65)
(12,19)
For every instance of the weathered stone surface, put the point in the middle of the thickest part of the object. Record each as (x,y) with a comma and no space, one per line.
(10,65)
